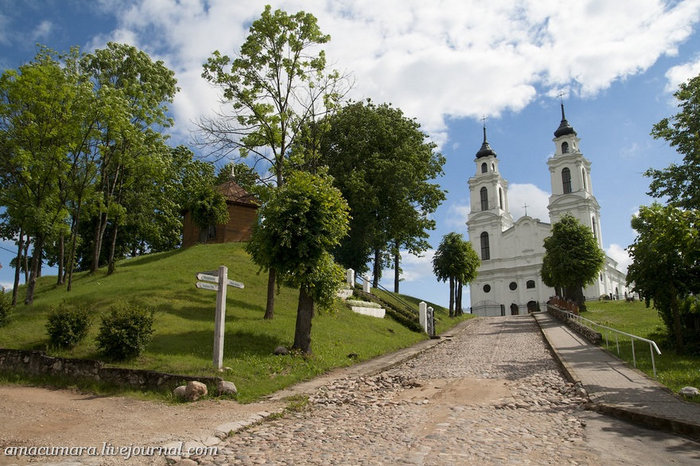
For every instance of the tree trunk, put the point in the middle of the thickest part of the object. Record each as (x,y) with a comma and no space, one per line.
(99,234)
(110,267)
(302,332)
(377,268)
(61,258)
(270,306)
(18,266)
(452,296)
(397,262)
(458,310)
(677,326)
(25,258)
(36,260)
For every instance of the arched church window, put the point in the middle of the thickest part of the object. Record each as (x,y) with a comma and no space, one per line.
(583,177)
(530,284)
(594,225)
(484,167)
(487,288)
(566,180)
(500,198)
(485,251)
(484,193)
(565,147)
(493,167)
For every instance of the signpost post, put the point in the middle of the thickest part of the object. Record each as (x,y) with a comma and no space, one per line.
(218,283)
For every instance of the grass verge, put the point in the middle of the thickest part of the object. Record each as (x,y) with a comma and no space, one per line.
(673,370)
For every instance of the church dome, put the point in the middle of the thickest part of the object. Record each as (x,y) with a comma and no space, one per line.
(485,150)
(564,127)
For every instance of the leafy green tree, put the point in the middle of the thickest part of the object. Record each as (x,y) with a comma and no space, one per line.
(680,183)
(304,220)
(277,83)
(36,114)
(455,260)
(383,164)
(572,258)
(665,266)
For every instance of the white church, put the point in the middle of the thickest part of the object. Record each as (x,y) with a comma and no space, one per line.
(508,281)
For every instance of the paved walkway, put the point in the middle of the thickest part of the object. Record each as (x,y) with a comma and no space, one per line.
(616,388)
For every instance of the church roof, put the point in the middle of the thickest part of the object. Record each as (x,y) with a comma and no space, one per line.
(237,195)
(485,150)
(564,127)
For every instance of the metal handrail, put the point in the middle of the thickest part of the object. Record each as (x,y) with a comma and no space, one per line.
(652,343)
(393,296)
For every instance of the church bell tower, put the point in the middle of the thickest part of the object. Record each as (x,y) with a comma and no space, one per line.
(570,174)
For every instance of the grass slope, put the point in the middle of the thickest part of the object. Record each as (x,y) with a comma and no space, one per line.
(673,370)
(184,321)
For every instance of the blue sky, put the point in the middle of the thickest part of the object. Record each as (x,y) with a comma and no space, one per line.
(447,64)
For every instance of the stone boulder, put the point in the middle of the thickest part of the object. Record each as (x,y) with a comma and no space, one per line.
(226,388)
(180,392)
(195,390)
(281,351)
(689,391)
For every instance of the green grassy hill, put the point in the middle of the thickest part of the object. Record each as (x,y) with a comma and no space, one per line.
(184,321)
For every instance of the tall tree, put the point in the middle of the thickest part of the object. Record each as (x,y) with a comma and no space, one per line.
(304,220)
(572,258)
(384,166)
(455,260)
(680,183)
(665,266)
(277,83)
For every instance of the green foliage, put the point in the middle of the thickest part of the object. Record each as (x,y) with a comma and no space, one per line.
(681,183)
(572,258)
(125,331)
(67,325)
(665,266)
(209,208)
(305,219)
(5,308)
(383,164)
(240,173)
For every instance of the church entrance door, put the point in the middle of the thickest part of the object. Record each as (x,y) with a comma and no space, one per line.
(532,306)
(514,311)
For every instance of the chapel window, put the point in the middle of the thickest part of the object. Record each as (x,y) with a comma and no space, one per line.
(583,177)
(485,251)
(564,147)
(484,167)
(513,286)
(566,180)
(530,284)
(484,193)
(500,198)
(595,227)
(487,288)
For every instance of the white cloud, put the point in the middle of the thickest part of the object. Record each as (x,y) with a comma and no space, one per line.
(415,267)
(619,254)
(457,216)
(537,200)
(7,286)
(680,74)
(42,31)
(452,58)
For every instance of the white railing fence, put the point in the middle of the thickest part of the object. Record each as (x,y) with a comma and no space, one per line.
(608,330)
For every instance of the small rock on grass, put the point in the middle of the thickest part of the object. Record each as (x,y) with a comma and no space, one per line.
(180,392)
(195,390)
(226,388)
(281,351)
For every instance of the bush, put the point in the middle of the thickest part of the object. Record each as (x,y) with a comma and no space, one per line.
(125,332)
(67,326)
(5,308)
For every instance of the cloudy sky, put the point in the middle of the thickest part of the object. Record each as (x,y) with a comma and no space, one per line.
(448,64)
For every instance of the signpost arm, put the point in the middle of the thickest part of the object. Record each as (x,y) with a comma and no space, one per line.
(220,318)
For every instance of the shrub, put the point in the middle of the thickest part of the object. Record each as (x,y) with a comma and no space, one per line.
(67,325)
(125,332)
(5,308)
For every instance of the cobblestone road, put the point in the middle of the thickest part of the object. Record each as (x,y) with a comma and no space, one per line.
(492,394)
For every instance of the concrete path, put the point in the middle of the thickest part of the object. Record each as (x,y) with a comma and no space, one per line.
(616,388)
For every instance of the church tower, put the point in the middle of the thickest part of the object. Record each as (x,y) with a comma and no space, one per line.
(489,214)
(570,174)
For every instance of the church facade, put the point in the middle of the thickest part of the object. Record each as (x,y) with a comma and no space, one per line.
(511,252)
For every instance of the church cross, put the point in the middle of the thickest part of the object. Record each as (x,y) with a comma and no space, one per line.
(525,205)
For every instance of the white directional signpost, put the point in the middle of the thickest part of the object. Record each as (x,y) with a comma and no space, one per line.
(218,282)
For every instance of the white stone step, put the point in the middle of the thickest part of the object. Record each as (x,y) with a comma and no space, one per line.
(369,311)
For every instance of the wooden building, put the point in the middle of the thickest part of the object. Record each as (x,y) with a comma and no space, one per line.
(242,215)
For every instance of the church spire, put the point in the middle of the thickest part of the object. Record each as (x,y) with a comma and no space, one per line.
(564,127)
(485,150)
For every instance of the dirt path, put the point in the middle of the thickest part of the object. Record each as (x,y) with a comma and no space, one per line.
(31,416)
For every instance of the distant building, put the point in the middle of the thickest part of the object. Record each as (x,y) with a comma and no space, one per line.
(508,281)
(242,213)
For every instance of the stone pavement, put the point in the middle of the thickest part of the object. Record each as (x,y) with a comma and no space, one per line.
(614,387)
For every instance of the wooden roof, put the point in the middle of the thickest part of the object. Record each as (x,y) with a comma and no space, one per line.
(237,195)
